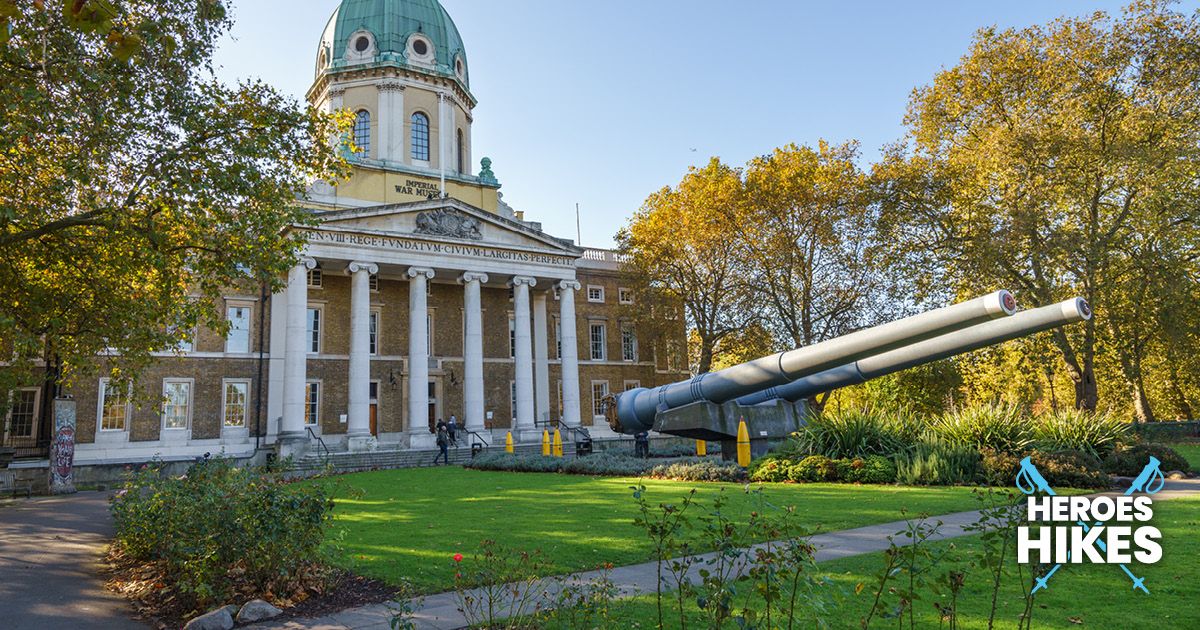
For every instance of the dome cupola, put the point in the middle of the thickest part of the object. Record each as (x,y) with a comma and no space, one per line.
(416,34)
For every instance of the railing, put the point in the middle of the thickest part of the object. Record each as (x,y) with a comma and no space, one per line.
(574,434)
(477,436)
(24,447)
(324,448)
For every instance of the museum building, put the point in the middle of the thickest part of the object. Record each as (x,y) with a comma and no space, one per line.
(420,295)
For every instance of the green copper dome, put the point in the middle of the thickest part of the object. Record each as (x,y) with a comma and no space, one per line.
(416,34)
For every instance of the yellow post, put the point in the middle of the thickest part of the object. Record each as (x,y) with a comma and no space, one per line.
(508,441)
(701,448)
(557,443)
(743,445)
(545,443)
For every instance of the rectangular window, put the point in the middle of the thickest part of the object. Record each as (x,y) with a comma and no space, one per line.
(238,339)
(560,405)
(314,331)
(114,407)
(177,404)
(237,399)
(598,339)
(624,296)
(512,337)
(512,399)
(595,293)
(628,344)
(373,334)
(23,416)
(314,278)
(187,343)
(599,391)
(629,385)
(373,282)
(312,403)
(429,333)
(557,338)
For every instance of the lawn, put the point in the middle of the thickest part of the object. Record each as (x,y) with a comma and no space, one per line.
(1190,452)
(1088,596)
(398,524)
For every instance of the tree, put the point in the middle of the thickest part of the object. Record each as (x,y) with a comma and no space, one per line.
(1040,156)
(134,186)
(678,245)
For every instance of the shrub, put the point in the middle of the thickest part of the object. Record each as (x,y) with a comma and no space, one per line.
(769,469)
(871,469)
(1073,429)
(1060,469)
(853,433)
(813,468)
(998,427)
(219,528)
(937,464)
(1129,461)
(606,465)
(515,463)
(698,469)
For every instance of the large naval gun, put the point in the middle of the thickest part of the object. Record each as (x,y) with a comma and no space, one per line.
(769,393)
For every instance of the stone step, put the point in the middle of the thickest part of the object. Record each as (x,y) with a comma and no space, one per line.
(313,463)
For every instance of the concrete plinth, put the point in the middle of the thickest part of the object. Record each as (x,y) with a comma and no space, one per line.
(293,445)
(361,443)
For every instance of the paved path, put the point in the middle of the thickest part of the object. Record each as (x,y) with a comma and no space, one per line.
(440,611)
(51,549)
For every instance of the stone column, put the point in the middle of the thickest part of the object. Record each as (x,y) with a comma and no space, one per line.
(541,359)
(473,351)
(523,359)
(358,414)
(292,438)
(390,122)
(418,347)
(570,351)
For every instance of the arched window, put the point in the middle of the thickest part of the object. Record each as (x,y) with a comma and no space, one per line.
(420,137)
(458,152)
(362,132)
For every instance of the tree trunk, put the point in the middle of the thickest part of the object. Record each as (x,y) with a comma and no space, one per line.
(1142,412)
(704,363)
(1183,409)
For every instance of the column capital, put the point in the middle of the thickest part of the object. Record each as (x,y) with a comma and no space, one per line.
(359,265)
(308,262)
(473,276)
(523,280)
(413,272)
(569,285)
(390,86)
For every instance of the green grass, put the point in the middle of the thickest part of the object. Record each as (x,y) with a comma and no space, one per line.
(406,524)
(1190,452)
(1088,596)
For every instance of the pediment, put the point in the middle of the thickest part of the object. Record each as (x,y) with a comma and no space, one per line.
(445,220)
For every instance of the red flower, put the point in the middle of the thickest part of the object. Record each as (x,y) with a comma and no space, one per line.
(458,557)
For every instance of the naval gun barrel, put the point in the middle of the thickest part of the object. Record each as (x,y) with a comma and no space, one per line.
(928,351)
(636,409)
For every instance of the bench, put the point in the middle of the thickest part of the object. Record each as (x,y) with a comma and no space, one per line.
(8,483)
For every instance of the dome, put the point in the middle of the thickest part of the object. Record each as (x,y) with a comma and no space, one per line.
(416,34)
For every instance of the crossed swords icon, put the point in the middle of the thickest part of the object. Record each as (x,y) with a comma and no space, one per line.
(1150,481)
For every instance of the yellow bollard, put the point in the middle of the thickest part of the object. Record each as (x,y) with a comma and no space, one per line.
(508,442)
(743,445)
(545,443)
(701,448)
(557,443)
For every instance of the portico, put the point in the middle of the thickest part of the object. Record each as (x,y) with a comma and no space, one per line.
(441,242)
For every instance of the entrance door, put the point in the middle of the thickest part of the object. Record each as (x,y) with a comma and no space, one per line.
(433,407)
(374,401)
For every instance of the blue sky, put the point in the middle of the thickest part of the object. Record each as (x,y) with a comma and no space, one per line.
(601,103)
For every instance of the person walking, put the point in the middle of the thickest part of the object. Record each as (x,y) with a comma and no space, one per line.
(452,429)
(443,442)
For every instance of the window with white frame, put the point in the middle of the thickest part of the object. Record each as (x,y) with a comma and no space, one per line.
(512,337)
(558,337)
(630,385)
(373,333)
(238,338)
(113,404)
(624,295)
(237,401)
(187,342)
(512,400)
(560,405)
(599,391)
(429,333)
(373,282)
(177,403)
(314,278)
(313,331)
(629,351)
(598,337)
(312,403)
(595,293)
(23,415)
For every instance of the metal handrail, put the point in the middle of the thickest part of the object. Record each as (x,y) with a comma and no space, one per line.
(573,432)
(325,458)
(478,435)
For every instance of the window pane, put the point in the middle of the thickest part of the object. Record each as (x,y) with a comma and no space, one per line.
(599,391)
(597,339)
(628,345)
(374,334)
(175,408)
(314,330)
(24,412)
(239,329)
(235,404)
(312,407)
(362,133)
(512,338)
(113,408)
(420,137)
